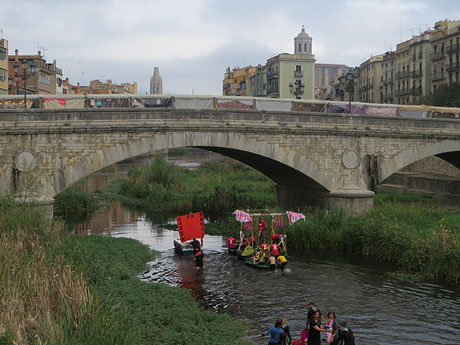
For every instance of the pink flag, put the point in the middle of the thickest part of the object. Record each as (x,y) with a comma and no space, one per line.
(242,216)
(294,217)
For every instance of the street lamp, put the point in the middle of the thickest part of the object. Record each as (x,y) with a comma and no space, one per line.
(28,71)
(347,82)
(297,88)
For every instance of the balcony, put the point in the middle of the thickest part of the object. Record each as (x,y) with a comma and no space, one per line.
(403,74)
(364,88)
(401,92)
(437,56)
(437,76)
(272,74)
(298,74)
(454,48)
(452,67)
(416,74)
(416,91)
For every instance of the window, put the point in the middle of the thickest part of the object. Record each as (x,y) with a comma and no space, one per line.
(305,47)
(300,47)
(298,68)
(2,75)
(3,54)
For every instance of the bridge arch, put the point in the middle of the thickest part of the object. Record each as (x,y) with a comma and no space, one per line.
(448,150)
(284,167)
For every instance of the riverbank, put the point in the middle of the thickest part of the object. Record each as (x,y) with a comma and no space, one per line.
(58,288)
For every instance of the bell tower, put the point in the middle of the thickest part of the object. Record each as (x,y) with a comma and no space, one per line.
(303,43)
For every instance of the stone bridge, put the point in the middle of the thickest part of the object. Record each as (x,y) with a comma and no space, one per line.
(327,160)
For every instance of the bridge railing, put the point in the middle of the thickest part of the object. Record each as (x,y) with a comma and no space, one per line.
(49,102)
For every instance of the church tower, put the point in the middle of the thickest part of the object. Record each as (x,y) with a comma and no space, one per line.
(156,83)
(303,43)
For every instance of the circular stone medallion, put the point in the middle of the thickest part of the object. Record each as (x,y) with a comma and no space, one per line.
(350,159)
(25,161)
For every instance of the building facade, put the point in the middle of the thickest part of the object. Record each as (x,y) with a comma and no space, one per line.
(326,76)
(30,74)
(370,80)
(237,82)
(4,82)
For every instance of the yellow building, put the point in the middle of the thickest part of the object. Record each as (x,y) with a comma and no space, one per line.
(237,82)
(3,67)
(402,72)
(370,80)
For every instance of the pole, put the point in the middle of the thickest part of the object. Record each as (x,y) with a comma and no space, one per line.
(349,102)
(24,78)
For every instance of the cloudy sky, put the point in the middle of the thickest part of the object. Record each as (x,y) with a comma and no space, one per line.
(194,41)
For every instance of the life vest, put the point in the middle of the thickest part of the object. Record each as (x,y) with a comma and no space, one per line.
(275,249)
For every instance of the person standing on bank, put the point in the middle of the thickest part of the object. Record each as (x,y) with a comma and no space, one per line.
(275,332)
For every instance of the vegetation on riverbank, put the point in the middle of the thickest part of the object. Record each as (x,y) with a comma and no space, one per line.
(216,189)
(58,288)
(415,233)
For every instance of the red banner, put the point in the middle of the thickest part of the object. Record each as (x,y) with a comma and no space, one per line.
(190,226)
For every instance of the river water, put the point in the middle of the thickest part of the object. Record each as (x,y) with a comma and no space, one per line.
(378,307)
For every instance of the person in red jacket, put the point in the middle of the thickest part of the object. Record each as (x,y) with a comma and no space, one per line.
(262,229)
(231,241)
(275,249)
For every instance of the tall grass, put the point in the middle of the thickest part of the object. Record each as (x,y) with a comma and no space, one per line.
(419,236)
(42,299)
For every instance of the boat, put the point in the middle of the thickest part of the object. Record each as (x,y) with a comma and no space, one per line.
(183,248)
(190,227)
(259,265)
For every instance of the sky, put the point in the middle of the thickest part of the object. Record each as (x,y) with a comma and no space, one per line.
(194,41)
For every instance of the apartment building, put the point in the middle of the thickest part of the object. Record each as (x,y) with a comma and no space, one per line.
(38,74)
(420,67)
(402,72)
(387,79)
(370,81)
(237,82)
(3,67)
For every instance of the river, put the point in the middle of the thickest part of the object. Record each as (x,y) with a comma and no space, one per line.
(378,307)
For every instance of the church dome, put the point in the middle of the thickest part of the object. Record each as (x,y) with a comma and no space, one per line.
(303,43)
(303,34)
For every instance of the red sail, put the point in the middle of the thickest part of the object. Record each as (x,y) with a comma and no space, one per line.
(190,226)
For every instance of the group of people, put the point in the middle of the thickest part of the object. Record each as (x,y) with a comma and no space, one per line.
(263,254)
(337,333)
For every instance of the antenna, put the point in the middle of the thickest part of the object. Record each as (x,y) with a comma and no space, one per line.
(1,33)
(43,48)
